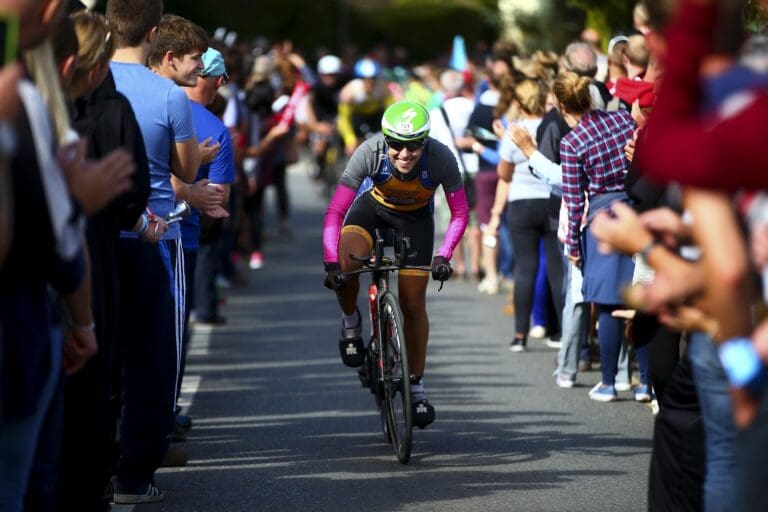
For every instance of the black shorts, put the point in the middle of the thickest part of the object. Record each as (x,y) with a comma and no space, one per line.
(367,214)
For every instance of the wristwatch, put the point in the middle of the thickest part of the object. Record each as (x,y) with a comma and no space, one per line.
(645,251)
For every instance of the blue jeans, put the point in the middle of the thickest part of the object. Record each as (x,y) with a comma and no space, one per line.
(541,294)
(18,439)
(506,251)
(720,487)
(752,474)
(575,323)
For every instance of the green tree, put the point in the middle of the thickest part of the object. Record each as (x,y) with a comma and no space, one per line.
(606,16)
(424,27)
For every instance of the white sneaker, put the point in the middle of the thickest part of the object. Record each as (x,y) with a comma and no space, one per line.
(256,261)
(603,393)
(537,331)
(488,286)
(622,386)
(554,343)
(564,382)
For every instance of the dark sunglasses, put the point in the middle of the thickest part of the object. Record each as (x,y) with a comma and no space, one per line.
(412,146)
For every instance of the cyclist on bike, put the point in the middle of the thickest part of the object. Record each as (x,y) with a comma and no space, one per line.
(405,167)
(362,101)
(322,109)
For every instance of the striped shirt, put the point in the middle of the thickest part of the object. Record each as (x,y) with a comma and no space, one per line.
(593,162)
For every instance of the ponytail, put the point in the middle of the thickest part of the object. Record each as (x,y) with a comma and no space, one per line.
(572,92)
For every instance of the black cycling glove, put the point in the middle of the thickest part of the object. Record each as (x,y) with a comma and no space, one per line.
(334,277)
(441,269)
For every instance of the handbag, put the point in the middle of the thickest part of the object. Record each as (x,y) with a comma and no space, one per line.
(469,181)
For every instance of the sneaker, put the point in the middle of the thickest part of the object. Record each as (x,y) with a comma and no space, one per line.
(423,413)
(644,393)
(622,386)
(256,261)
(216,320)
(507,285)
(537,331)
(183,423)
(222,282)
(488,286)
(109,490)
(181,426)
(554,343)
(150,495)
(517,345)
(175,456)
(351,345)
(564,382)
(602,393)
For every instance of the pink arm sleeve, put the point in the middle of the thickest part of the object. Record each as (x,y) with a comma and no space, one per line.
(334,218)
(457,202)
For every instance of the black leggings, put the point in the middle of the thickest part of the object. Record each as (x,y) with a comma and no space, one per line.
(253,205)
(528,224)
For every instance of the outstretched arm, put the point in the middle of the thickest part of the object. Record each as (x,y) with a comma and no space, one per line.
(334,218)
(457,202)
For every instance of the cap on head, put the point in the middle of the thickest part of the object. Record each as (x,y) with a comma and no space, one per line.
(406,121)
(367,68)
(329,65)
(213,64)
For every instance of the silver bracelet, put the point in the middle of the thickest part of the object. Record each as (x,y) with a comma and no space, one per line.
(83,328)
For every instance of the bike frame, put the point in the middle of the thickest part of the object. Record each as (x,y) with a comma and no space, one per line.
(380,378)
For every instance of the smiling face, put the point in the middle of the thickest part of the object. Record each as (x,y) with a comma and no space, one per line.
(187,68)
(404,159)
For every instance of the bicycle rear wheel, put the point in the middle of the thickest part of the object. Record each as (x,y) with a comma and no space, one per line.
(397,383)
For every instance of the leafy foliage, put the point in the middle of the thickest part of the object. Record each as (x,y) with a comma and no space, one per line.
(607,16)
(424,27)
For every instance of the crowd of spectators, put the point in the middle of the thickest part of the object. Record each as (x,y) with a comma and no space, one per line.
(616,202)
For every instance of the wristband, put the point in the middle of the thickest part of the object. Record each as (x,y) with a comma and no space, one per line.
(743,365)
(83,328)
(144,225)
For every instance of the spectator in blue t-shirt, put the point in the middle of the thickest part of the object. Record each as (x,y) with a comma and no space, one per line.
(219,175)
(201,250)
(153,304)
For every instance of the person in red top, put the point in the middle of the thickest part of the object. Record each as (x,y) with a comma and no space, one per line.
(729,144)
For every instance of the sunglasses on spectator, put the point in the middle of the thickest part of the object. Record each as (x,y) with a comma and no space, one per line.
(412,146)
(225,78)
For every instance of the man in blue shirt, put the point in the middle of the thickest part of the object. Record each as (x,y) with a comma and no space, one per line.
(182,64)
(152,276)
(201,254)
(220,174)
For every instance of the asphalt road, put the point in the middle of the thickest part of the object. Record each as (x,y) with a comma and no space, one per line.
(282,425)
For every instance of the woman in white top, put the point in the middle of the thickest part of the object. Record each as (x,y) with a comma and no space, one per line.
(527,201)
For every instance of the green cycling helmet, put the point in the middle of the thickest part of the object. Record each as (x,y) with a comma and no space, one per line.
(405,121)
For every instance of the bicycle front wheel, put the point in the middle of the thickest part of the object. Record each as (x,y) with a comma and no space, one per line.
(396,373)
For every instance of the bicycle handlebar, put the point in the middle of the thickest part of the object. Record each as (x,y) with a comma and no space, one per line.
(387,265)
(386,268)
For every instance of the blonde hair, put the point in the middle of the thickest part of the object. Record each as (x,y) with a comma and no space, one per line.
(549,61)
(96,43)
(637,51)
(531,96)
(572,92)
(506,86)
(42,66)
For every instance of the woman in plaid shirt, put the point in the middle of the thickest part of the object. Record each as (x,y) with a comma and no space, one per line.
(594,166)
